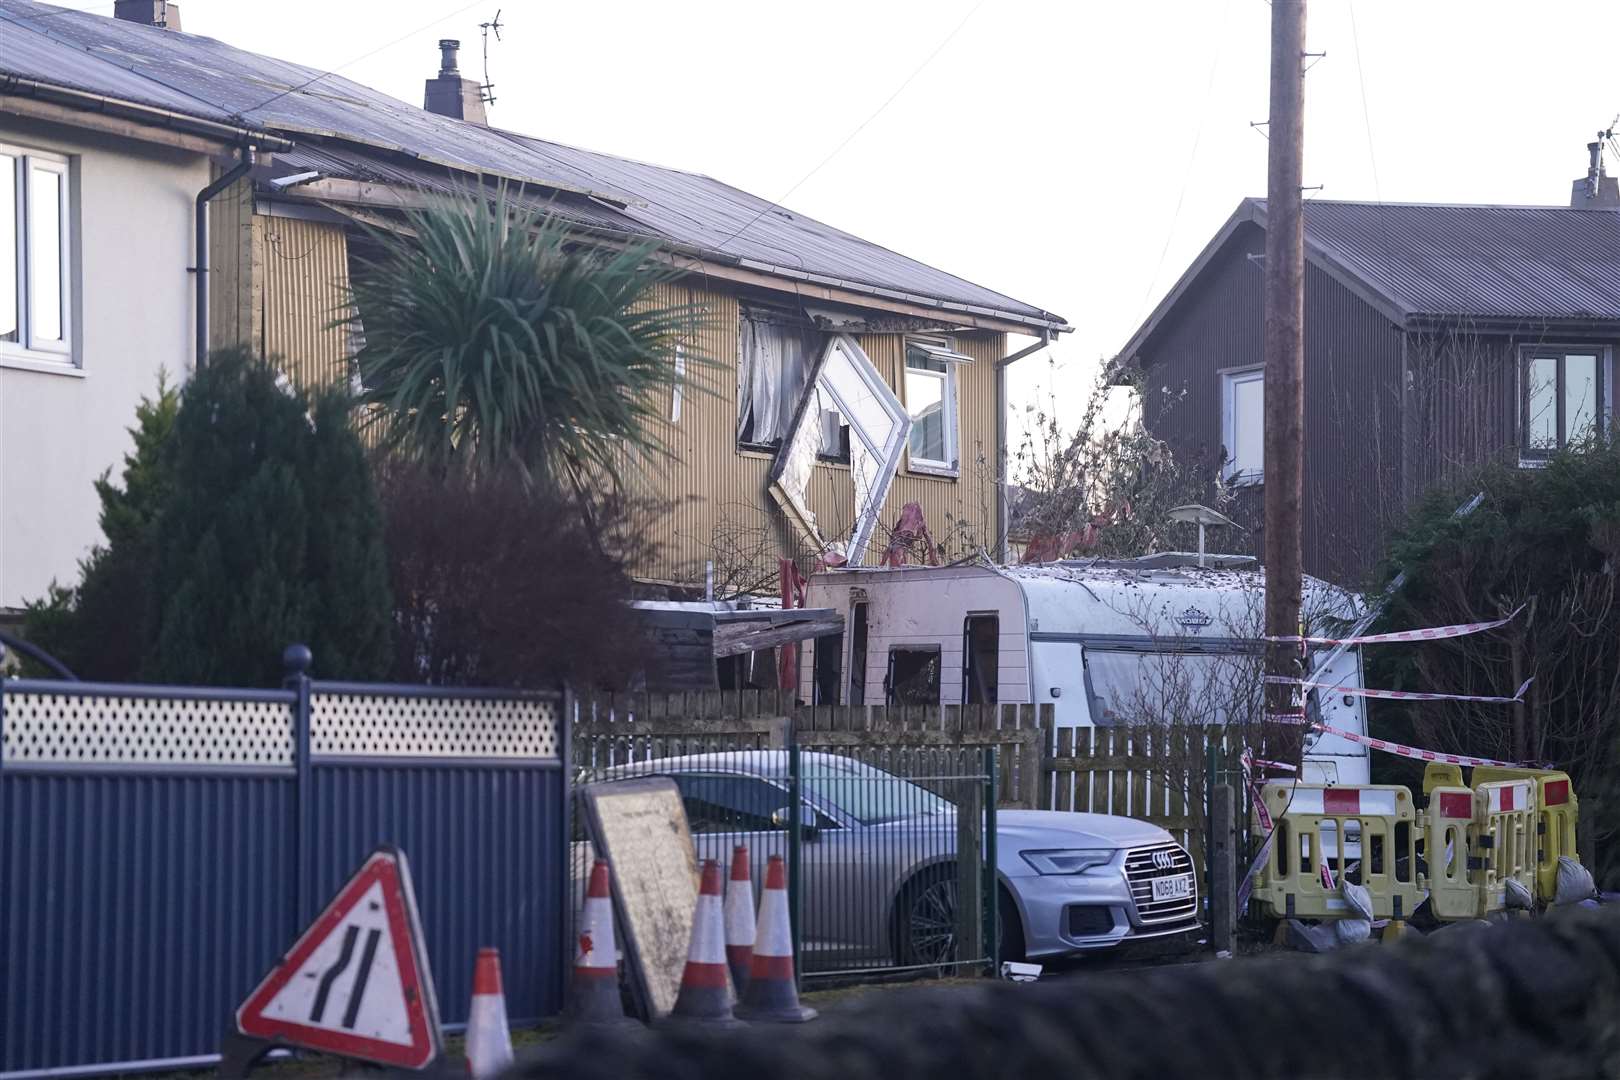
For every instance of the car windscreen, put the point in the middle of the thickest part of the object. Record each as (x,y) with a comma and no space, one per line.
(870,796)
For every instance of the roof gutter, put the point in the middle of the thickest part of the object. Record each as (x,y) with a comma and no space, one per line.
(148,114)
(1003,526)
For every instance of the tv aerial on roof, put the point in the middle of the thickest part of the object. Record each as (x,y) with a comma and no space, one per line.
(487,89)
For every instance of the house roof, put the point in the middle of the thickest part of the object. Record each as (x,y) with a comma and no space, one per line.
(363,131)
(1426,262)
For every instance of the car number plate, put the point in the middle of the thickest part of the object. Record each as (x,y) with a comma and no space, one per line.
(1179,887)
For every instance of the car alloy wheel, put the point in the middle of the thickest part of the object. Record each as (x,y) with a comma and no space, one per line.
(930,926)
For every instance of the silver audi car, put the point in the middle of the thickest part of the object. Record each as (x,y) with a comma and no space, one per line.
(879,856)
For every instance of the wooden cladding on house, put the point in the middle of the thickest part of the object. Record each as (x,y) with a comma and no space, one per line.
(283,281)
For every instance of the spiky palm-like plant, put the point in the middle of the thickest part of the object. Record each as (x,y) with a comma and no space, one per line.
(495,338)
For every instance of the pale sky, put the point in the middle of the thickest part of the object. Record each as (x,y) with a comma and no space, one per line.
(1073,155)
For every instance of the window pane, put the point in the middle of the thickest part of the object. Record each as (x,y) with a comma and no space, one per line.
(45,255)
(8,248)
(1580,397)
(1541,404)
(1248,447)
(925,401)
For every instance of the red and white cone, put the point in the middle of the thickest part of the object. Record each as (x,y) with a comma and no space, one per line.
(489,1040)
(740,918)
(773,994)
(594,994)
(706,983)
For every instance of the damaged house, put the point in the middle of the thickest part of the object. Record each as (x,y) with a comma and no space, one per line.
(852,381)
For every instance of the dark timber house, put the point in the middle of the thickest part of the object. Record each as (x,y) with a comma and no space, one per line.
(1437,337)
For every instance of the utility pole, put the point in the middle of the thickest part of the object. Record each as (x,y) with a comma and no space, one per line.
(1283,732)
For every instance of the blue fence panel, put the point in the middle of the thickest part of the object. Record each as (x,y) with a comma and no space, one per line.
(161,846)
(481,856)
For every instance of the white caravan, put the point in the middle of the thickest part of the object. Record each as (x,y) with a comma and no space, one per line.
(1157,640)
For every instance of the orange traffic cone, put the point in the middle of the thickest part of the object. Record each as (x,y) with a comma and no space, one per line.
(772,993)
(594,995)
(740,918)
(489,1041)
(706,984)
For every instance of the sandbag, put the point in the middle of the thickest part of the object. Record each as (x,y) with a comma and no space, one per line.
(1574,883)
(1516,895)
(1358,929)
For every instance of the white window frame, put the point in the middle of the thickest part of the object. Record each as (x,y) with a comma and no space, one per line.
(29,352)
(1604,418)
(941,351)
(1230,378)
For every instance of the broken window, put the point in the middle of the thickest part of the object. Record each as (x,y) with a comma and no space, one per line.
(867,419)
(774,358)
(931,403)
(981,649)
(1564,399)
(914,675)
(829,652)
(1243,425)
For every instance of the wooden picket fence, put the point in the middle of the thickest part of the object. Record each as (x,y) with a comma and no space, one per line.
(620,729)
(1159,775)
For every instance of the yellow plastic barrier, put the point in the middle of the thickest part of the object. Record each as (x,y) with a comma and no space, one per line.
(1369,831)
(1438,774)
(1505,820)
(1559,812)
(1448,840)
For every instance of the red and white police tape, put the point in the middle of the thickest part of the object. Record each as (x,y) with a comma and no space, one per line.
(1412,751)
(1398,695)
(1433,633)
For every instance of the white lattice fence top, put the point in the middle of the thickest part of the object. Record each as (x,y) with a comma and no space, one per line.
(44,728)
(366,725)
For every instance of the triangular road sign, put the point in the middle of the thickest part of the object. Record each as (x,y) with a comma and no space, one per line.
(357,982)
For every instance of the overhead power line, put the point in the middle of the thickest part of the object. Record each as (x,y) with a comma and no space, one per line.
(858,128)
(363,56)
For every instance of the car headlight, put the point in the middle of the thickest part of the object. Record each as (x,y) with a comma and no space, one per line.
(1067,860)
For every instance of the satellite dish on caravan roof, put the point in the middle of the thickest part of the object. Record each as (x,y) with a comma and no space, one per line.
(1203,517)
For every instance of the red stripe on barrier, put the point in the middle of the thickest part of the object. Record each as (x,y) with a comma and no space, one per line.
(1555,792)
(1509,799)
(1454,804)
(1341,801)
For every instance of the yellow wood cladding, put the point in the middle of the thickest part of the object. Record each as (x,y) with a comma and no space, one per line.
(721,510)
(306,280)
(714,502)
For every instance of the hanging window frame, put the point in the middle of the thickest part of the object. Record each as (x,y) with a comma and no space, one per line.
(29,347)
(1231,379)
(940,352)
(1534,456)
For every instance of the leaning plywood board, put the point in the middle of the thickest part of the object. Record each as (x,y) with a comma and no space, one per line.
(639,827)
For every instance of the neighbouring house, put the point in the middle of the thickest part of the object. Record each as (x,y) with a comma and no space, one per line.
(853,381)
(1437,337)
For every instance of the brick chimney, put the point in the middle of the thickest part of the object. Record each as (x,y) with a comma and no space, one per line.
(149,13)
(450,94)
(1595,190)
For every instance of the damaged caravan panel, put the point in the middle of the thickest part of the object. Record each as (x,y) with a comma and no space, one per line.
(845,392)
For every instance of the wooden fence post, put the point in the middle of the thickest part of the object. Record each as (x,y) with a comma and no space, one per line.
(1221,843)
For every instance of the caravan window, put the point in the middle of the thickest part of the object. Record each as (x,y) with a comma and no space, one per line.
(913,675)
(981,648)
(1129,687)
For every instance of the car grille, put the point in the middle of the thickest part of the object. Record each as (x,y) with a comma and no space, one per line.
(1142,866)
